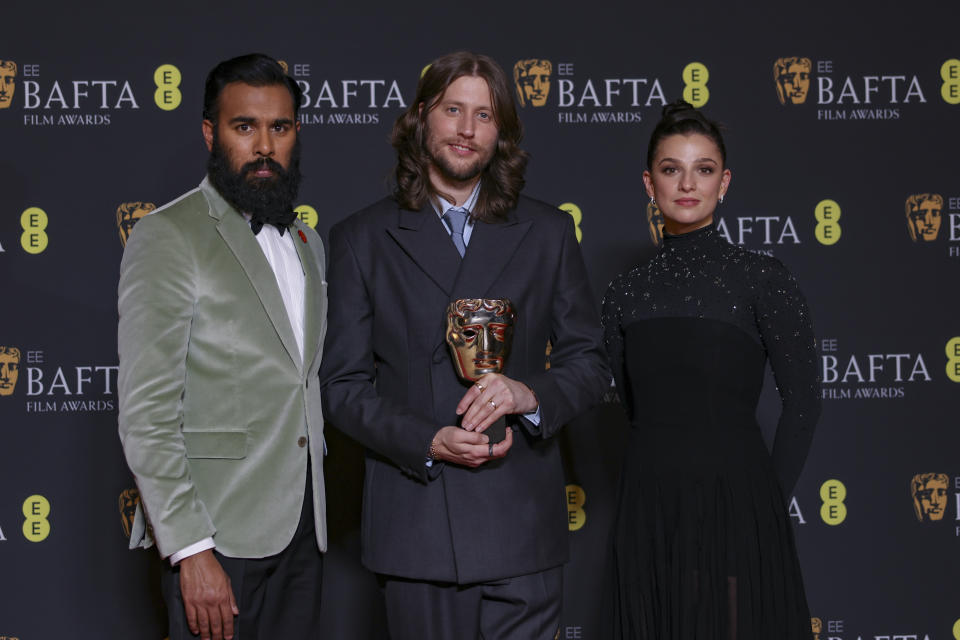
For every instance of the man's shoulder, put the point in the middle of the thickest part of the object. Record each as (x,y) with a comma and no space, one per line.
(187,204)
(183,210)
(537,209)
(541,212)
(377,213)
(181,216)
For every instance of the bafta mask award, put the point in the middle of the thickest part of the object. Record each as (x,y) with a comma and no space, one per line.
(479,334)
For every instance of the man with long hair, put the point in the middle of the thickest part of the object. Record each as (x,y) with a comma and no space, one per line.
(222,316)
(467,534)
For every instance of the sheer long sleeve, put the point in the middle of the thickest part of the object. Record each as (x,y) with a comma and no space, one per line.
(786,328)
(612,316)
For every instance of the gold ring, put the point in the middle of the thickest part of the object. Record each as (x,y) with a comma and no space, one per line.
(481,387)
(492,403)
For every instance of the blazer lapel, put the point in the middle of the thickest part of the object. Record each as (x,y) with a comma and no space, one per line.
(236,233)
(490,249)
(313,299)
(423,237)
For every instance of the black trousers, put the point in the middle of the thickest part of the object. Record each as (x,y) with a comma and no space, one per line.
(522,608)
(278,596)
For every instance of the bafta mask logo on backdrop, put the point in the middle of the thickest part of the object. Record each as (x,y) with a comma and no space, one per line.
(8,82)
(655,223)
(128,501)
(532,78)
(9,369)
(128,214)
(816,625)
(792,76)
(929,492)
(924,212)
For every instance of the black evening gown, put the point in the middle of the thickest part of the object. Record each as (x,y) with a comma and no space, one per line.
(703,544)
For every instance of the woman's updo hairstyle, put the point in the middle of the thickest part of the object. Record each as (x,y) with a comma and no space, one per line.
(680,117)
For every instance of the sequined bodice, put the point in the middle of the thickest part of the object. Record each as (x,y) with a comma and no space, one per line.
(699,275)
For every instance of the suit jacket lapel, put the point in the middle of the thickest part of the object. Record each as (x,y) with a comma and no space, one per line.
(423,237)
(236,233)
(313,295)
(490,249)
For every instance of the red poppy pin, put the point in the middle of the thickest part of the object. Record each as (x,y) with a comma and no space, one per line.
(302,236)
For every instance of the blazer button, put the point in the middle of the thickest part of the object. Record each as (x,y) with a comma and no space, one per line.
(302,441)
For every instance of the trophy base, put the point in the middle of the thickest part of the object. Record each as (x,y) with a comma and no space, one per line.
(496,431)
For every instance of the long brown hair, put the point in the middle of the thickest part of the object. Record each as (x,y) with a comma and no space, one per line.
(502,178)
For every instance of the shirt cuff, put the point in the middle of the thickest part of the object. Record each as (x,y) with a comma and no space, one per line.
(534,417)
(193,549)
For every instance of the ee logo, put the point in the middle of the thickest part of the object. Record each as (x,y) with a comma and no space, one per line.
(833,493)
(308,215)
(33,221)
(167,78)
(953,359)
(695,91)
(950,90)
(577,216)
(576,516)
(828,229)
(36,527)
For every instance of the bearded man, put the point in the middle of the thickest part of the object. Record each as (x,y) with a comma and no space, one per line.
(222,316)
(467,534)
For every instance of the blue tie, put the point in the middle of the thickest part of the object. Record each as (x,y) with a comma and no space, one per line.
(456,219)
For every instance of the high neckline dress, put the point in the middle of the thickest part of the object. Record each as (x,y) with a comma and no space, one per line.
(703,544)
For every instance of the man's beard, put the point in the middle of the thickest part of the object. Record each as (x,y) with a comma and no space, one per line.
(447,168)
(267,200)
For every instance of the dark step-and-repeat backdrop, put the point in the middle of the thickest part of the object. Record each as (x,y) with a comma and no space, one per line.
(843,138)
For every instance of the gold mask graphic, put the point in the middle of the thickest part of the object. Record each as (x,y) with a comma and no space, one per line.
(792,76)
(479,334)
(532,78)
(929,492)
(128,508)
(9,369)
(128,214)
(655,223)
(816,625)
(8,84)
(924,216)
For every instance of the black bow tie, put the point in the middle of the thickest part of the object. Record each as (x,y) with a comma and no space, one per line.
(256,225)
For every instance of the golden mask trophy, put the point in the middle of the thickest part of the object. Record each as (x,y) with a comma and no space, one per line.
(479,334)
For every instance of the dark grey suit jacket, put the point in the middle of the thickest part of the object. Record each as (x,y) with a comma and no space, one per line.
(388,381)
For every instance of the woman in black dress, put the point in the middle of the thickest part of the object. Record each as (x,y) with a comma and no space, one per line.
(703,543)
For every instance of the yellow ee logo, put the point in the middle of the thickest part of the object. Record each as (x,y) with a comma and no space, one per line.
(576,516)
(953,359)
(695,76)
(833,493)
(950,90)
(423,71)
(167,78)
(36,527)
(34,238)
(577,216)
(308,215)
(828,229)
(956,629)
